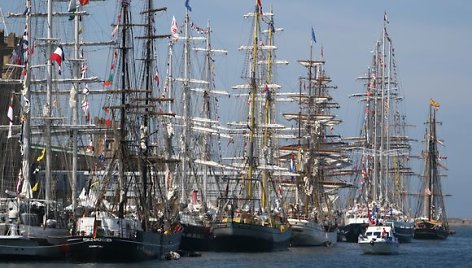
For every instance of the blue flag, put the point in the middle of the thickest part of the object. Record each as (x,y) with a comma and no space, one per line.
(313,35)
(188,6)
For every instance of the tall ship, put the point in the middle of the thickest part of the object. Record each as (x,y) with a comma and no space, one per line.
(36,223)
(318,158)
(381,152)
(251,215)
(198,129)
(431,218)
(124,214)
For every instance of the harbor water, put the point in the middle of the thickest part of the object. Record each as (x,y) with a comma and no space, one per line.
(456,251)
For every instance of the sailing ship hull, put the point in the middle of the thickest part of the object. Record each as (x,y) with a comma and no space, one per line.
(308,233)
(40,243)
(428,230)
(351,232)
(404,231)
(242,237)
(28,248)
(146,246)
(196,237)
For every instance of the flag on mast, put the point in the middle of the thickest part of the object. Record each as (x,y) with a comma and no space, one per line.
(10,118)
(174,29)
(187,5)
(58,56)
(313,36)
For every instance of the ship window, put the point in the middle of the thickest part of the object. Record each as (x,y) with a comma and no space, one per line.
(369,233)
(377,234)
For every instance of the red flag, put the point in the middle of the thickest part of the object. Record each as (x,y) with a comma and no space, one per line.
(57,55)
(84,2)
(259,6)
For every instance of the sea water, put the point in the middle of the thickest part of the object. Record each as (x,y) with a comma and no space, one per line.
(455,251)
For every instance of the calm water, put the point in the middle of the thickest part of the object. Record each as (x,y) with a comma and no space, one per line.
(456,251)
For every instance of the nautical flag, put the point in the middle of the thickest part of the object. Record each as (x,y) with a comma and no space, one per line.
(27,11)
(259,6)
(72,8)
(434,104)
(19,184)
(313,37)
(90,147)
(156,78)
(84,2)
(85,105)
(35,187)
(174,29)
(115,30)
(386,18)
(83,70)
(58,56)
(41,156)
(292,165)
(188,6)
(10,118)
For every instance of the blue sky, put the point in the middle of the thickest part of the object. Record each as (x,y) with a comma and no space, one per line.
(432,40)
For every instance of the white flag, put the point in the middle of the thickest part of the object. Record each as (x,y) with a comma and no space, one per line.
(10,118)
(174,29)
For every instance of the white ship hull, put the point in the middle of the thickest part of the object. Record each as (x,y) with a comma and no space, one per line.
(308,233)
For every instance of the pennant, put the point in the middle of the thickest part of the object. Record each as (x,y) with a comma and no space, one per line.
(386,18)
(35,187)
(259,6)
(313,37)
(292,165)
(83,70)
(10,118)
(187,5)
(19,183)
(174,29)
(434,104)
(72,8)
(90,147)
(156,78)
(41,156)
(58,56)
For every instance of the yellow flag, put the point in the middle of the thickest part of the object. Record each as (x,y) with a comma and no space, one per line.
(434,104)
(41,156)
(36,186)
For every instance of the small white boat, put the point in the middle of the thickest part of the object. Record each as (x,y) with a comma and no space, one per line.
(379,239)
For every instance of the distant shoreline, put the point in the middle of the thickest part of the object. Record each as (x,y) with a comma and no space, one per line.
(460,222)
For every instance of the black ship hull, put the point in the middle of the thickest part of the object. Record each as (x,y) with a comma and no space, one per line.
(433,234)
(146,246)
(350,233)
(403,230)
(196,238)
(241,237)
(430,230)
